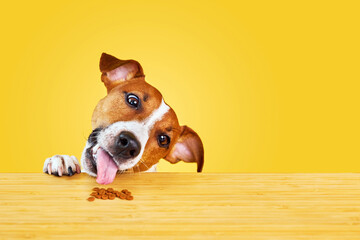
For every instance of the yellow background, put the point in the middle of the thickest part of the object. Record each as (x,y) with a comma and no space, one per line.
(270,86)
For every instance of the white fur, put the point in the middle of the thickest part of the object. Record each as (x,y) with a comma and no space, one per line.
(83,161)
(60,163)
(157,115)
(107,137)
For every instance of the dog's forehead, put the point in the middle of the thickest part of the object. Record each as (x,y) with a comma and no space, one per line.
(113,108)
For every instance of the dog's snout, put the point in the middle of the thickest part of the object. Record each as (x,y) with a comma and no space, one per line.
(127,146)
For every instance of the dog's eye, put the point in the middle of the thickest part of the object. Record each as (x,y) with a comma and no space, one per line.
(163,140)
(133,100)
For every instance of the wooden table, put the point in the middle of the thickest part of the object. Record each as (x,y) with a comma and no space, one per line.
(182,206)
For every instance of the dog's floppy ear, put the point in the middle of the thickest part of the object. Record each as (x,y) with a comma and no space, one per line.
(188,148)
(115,71)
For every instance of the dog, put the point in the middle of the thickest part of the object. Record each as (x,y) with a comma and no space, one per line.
(133,128)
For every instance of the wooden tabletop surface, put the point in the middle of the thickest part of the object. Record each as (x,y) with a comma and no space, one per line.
(182,206)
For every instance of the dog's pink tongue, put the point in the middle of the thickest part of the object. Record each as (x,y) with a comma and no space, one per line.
(106,168)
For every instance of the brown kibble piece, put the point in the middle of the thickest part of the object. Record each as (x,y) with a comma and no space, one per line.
(104,197)
(125,191)
(109,193)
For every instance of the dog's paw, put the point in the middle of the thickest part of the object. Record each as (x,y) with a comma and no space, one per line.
(59,165)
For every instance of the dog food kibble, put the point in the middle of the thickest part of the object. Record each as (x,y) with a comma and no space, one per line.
(90,199)
(129,197)
(102,191)
(110,193)
(104,197)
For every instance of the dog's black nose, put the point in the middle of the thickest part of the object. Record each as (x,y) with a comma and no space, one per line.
(127,146)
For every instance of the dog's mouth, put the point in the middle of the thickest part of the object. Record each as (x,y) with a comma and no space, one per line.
(105,154)
(105,165)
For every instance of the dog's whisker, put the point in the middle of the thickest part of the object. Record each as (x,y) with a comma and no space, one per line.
(138,169)
(144,163)
(141,161)
(83,133)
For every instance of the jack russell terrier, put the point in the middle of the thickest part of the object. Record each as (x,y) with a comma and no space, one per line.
(133,128)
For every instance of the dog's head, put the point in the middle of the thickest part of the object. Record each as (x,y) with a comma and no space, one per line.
(133,127)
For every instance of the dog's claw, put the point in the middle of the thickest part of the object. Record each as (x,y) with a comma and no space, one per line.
(70,171)
(60,170)
(49,168)
(78,169)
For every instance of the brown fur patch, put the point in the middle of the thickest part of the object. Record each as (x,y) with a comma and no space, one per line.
(113,107)
(153,152)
